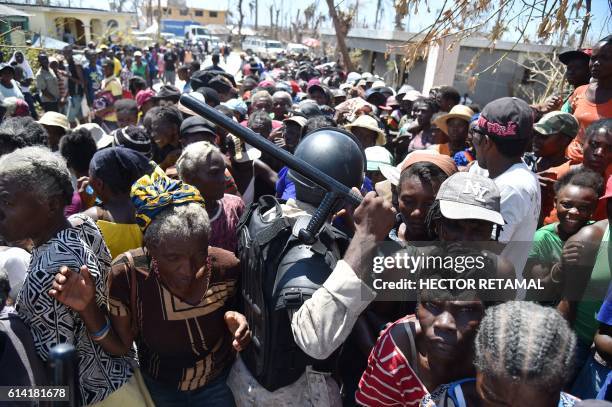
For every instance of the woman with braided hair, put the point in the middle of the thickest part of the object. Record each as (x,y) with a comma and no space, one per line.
(418,353)
(524,355)
(172,297)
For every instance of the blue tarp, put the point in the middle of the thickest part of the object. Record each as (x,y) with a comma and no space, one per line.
(48,42)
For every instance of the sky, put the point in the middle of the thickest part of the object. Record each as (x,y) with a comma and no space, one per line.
(601,20)
(601,14)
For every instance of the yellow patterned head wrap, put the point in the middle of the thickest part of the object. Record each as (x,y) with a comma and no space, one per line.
(153,193)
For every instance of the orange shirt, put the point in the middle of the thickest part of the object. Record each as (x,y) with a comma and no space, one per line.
(441,149)
(586,113)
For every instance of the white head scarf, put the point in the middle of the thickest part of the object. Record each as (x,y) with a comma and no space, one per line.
(27,70)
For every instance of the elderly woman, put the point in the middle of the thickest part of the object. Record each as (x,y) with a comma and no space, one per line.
(34,189)
(171,297)
(203,166)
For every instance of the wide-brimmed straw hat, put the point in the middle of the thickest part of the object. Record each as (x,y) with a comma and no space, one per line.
(457,112)
(368,122)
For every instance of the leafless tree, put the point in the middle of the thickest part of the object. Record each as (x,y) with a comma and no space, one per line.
(341,31)
(544,77)
(240,20)
(460,19)
(117,5)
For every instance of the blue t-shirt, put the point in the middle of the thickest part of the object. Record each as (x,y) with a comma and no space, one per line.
(151,64)
(93,77)
(285,188)
(605,312)
(463,158)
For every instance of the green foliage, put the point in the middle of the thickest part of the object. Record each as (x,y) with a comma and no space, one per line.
(30,53)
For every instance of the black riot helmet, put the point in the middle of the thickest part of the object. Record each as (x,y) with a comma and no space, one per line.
(335,152)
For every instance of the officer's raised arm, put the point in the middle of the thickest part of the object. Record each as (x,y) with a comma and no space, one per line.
(324,321)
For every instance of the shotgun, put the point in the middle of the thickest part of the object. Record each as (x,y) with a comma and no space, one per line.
(336,191)
(64,372)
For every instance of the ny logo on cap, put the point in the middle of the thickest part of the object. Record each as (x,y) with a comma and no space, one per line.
(475,189)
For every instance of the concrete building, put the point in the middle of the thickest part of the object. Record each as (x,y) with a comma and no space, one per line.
(15,22)
(176,14)
(380,55)
(84,24)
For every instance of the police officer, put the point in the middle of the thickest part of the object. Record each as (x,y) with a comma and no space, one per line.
(291,359)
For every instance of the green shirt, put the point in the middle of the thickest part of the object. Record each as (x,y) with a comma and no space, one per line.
(586,312)
(567,107)
(547,245)
(139,70)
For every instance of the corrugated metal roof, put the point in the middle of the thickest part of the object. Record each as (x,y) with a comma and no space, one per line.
(65,9)
(10,11)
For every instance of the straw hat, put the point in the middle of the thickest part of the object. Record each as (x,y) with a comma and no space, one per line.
(457,112)
(368,122)
(55,119)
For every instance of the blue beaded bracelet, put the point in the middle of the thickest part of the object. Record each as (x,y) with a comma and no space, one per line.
(102,332)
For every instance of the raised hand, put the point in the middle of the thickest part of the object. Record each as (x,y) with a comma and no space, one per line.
(374,217)
(572,253)
(74,289)
(88,197)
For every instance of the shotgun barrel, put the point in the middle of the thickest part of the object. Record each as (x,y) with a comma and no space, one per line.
(314,174)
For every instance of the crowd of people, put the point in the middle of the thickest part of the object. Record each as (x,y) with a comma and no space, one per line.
(168,250)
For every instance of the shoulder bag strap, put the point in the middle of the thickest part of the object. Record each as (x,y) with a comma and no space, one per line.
(133,307)
(414,361)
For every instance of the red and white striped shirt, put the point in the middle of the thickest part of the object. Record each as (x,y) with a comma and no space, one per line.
(389,380)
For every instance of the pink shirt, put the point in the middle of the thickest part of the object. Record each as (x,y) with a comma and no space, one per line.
(224,223)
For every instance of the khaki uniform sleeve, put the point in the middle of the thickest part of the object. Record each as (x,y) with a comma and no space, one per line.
(326,319)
